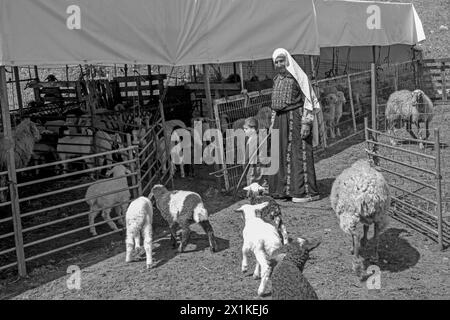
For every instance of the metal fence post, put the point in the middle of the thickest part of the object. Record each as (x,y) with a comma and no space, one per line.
(437,150)
(373,95)
(352,107)
(12,175)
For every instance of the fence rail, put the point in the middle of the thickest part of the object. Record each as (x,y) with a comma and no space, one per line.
(410,170)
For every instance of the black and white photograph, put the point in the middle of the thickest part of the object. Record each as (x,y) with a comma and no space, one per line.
(224,155)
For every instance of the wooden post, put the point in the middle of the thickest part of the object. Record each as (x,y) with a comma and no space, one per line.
(67,72)
(313,70)
(373,95)
(210,109)
(138,87)
(36,73)
(19,91)
(126,83)
(396,77)
(134,193)
(12,175)
(162,96)
(437,149)
(444,82)
(208,91)
(241,73)
(350,93)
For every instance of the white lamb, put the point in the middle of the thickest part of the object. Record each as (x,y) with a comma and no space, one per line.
(262,239)
(139,219)
(99,201)
(338,111)
(329,105)
(360,194)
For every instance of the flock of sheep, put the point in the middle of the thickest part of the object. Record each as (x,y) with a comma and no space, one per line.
(359,195)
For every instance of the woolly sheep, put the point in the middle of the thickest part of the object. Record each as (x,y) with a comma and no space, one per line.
(182,208)
(25,135)
(360,194)
(288,281)
(411,107)
(262,239)
(99,201)
(139,218)
(271,213)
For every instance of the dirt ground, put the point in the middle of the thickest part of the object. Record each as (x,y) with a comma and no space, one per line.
(412,267)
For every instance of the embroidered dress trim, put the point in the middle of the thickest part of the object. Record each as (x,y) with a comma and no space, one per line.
(289,150)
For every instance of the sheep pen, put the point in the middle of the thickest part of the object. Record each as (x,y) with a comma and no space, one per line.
(410,265)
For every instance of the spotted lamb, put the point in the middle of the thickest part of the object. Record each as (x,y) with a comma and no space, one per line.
(271,213)
(262,239)
(182,208)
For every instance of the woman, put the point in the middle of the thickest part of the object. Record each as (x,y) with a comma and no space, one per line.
(293,107)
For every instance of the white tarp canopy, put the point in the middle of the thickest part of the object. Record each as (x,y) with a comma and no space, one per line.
(161,32)
(367,23)
(186,32)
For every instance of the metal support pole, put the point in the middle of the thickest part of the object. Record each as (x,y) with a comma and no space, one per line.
(437,150)
(373,95)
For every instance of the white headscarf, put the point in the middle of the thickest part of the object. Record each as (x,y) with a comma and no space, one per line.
(292,66)
(311,101)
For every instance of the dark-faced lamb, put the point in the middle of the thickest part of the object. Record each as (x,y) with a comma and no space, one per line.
(360,194)
(182,208)
(262,239)
(271,213)
(139,218)
(410,107)
(288,281)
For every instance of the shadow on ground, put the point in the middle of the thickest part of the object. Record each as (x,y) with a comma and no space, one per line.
(395,253)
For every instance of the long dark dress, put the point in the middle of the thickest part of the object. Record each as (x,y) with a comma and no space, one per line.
(295,178)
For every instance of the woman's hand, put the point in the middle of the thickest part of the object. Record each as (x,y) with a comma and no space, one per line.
(305,131)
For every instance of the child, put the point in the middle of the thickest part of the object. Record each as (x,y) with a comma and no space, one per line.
(251,134)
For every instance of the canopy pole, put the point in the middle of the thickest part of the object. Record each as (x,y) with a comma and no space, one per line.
(19,92)
(210,110)
(241,72)
(36,73)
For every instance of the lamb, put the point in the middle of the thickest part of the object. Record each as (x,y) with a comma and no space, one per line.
(139,218)
(338,111)
(361,194)
(329,104)
(76,146)
(182,208)
(98,200)
(412,107)
(262,239)
(288,281)
(271,213)
(25,135)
